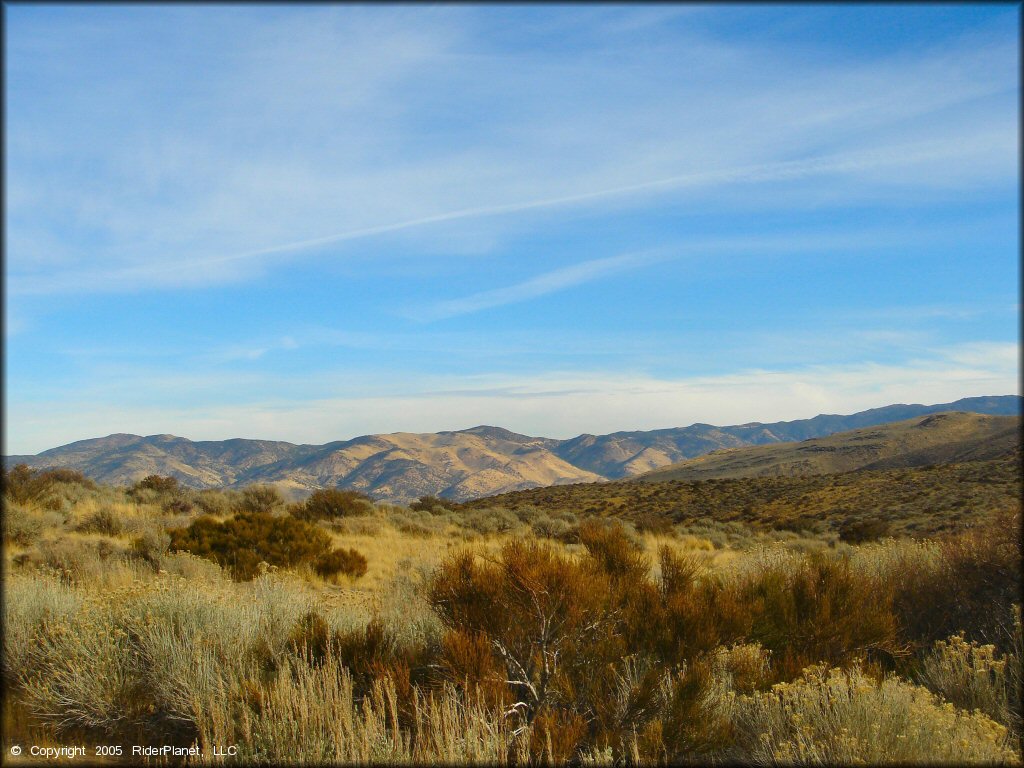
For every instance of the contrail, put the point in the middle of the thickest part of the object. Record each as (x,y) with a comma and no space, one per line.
(759,172)
(748,173)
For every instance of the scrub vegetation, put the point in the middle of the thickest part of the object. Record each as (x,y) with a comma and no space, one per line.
(341,630)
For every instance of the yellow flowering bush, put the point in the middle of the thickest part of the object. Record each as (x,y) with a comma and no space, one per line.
(834,716)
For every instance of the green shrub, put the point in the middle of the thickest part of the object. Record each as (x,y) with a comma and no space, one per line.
(348,562)
(329,503)
(487,521)
(241,543)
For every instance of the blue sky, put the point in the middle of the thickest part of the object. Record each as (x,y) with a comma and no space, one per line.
(309,223)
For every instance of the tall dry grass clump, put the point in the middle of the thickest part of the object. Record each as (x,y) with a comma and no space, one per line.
(143,656)
(310,714)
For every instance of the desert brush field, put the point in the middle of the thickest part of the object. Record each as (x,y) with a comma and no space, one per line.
(860,617)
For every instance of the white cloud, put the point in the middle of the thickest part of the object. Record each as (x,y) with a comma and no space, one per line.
(552,405)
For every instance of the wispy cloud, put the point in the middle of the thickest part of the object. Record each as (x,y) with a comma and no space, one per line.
(790,243)
(167,205)
(552,405)
(541,285)
(199,271)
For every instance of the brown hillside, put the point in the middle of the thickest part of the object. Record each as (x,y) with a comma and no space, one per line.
(933,439)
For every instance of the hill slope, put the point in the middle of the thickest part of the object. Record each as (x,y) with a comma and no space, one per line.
(458,465)
(933,439)
(625,454)
(915,501)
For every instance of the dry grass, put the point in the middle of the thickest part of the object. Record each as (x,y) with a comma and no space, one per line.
(679,634)
(309,714)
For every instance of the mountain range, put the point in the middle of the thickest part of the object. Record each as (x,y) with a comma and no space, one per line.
(458,465)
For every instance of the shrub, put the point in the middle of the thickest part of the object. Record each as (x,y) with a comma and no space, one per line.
(972,585)
(76,561)
(22,484)
(340,561)
(433,504)
(17,483)
(694,722)
(259,499)
(104,521)
(78,674)
(537,611)
(819,610)
(22,525)
(612,549)
(152,546)
(31,600)
(975,677)
(660,525)
(192,567)
(418,525)
(328,503)
(214,502)
(310,638)
(552,528)
(859,531)
(487,521)
(313,714)
(241,543)
(357,526)
(178,507)
(157,483)
(828,716)
(744,668)
(566,636)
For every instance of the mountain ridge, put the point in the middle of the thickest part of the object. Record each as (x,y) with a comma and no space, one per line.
(457,464)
